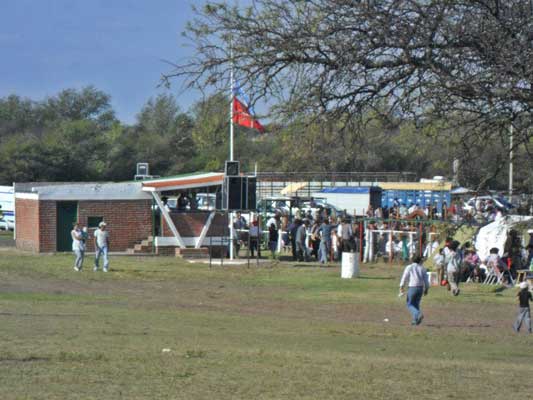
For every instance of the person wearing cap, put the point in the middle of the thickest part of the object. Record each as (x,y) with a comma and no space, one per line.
(101,246)
(524,315)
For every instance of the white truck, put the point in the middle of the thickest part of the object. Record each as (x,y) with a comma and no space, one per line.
(7,208)
(352,199)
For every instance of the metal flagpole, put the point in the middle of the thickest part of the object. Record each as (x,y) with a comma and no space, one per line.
(231,228)
(231,111)
(511,164)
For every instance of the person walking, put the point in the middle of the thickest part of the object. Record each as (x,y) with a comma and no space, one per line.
(524,315)
(255,238)
(101,246)
(453,267)
(273,238)
(416,278)
(325,240)
(315,239)
(78,246)
(301,235)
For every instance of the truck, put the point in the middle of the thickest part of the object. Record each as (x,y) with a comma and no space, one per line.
(7,208)
(354,200)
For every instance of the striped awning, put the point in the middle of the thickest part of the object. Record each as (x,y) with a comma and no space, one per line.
(292,188)
(181,182)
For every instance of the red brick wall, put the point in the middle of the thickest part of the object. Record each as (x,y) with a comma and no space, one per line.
(191,224)
(47,226)
(128,221)
(27,224)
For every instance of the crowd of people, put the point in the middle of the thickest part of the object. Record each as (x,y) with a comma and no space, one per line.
(483,210)
(320,237)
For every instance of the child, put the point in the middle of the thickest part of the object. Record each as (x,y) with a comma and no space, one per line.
(524,296)
(438,260)
(84,235)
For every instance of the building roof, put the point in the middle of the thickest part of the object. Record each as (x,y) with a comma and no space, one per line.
(435,186)
(87,191)
(180,182)
(352,189)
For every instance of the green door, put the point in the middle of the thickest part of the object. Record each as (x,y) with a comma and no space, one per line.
(67,214)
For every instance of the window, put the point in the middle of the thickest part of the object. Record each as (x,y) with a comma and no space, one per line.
(92,222)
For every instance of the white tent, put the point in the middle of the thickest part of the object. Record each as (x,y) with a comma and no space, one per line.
(495,234)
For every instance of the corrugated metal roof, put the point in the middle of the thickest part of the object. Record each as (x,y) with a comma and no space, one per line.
(91,191)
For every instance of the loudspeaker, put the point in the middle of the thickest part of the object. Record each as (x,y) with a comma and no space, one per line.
(251,200)
(232,168)
(238,193)
(235,192)
(220,204)
(143,169)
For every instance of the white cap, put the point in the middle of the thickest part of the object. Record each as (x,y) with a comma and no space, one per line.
(524,285)
(102,224)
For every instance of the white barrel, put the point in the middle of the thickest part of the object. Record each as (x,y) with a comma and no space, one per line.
(350,265)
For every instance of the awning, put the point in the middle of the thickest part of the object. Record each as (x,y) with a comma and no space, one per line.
(292,188)
(182,182)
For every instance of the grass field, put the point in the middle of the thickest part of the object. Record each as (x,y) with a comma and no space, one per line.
(160,328)
(6,239)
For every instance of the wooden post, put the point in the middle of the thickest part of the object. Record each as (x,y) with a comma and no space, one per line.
(420,251)
(391,250)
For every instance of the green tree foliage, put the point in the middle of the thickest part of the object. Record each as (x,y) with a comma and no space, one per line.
(47,141)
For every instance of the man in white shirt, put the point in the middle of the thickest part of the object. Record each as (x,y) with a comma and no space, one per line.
(416,278)
(78,246)
(101,246)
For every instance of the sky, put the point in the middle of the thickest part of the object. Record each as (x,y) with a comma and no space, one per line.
(118,46)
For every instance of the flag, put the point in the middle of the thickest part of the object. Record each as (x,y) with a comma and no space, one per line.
(242,116)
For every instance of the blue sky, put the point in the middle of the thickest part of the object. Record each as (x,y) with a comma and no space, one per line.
(116,45)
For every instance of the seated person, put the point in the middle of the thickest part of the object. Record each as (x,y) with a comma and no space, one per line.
(495,263)
(471,262)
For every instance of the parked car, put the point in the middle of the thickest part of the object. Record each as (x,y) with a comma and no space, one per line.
(471,206)
(318,205)
(206,201)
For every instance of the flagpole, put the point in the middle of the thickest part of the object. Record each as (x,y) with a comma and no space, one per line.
(232,83)
(231,227)
(511,164)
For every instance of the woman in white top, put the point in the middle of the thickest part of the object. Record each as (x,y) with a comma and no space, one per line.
(78,246)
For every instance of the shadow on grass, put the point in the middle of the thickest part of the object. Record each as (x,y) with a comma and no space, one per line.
(441,326)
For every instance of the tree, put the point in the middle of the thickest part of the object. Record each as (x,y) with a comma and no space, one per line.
(84,104)
(467,62)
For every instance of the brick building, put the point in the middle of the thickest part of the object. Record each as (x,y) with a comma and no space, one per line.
(45,214)
(133,211)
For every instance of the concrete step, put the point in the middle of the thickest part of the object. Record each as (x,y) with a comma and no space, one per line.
(202,252)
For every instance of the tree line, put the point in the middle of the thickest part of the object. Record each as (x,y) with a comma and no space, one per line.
(75,136)
(458,71)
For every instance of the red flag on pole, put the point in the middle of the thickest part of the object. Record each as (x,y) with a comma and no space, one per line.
(242,116)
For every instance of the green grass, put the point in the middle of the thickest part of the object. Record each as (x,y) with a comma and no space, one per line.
(160,328)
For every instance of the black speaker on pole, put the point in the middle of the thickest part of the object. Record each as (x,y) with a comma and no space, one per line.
(234,185)
(251,200)
(232,168)
(219,202)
